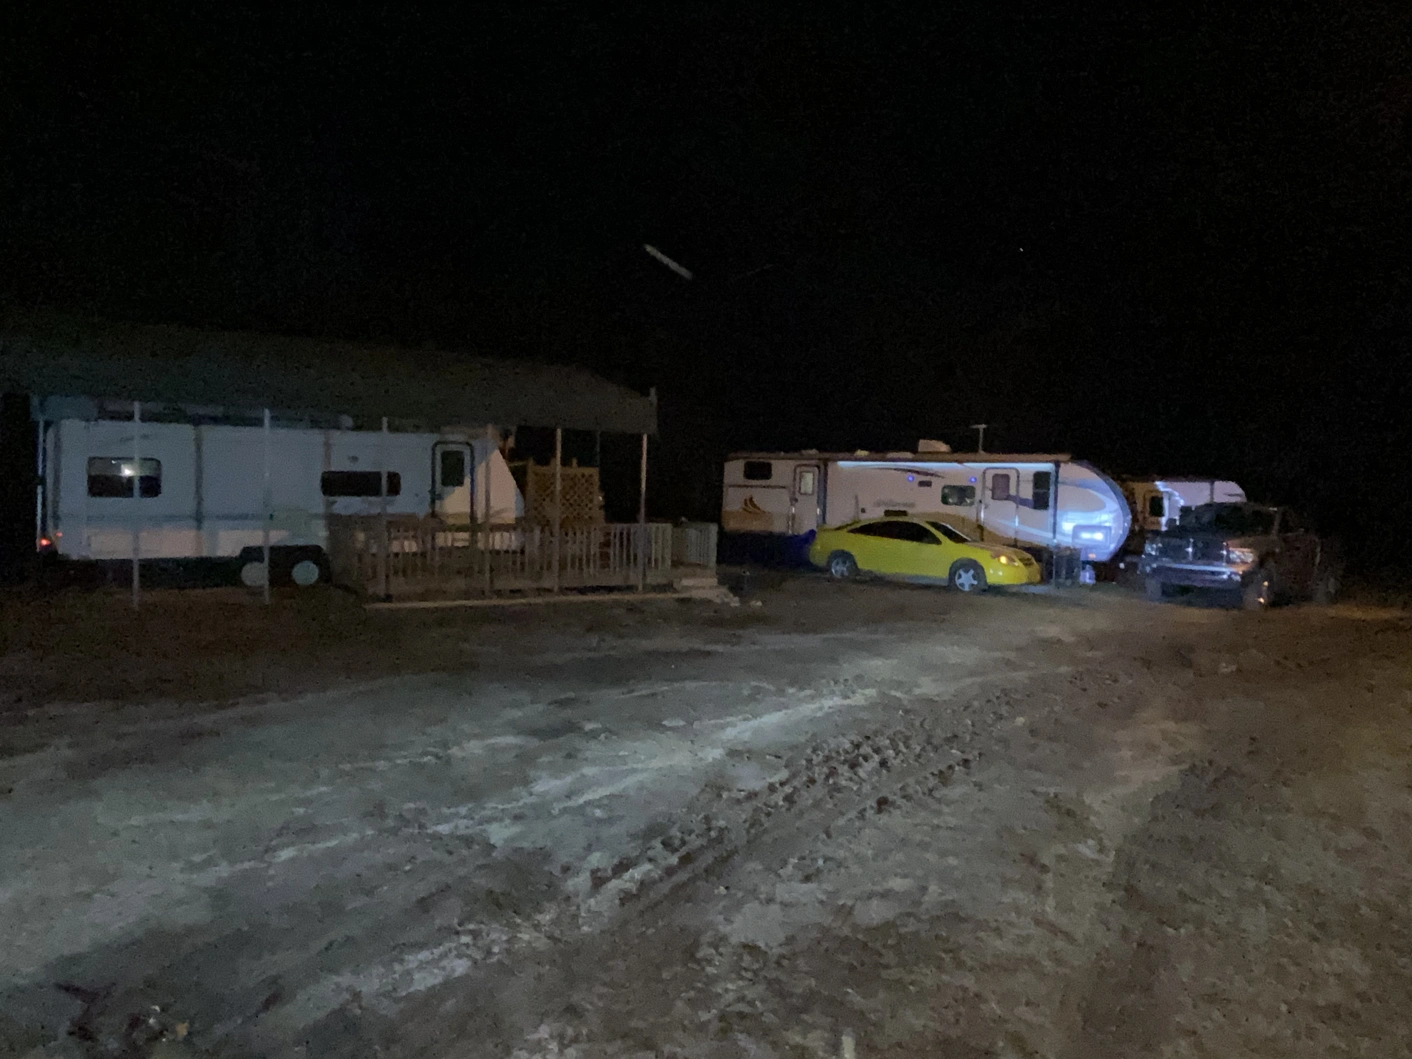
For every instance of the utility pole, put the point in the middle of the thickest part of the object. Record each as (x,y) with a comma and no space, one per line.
(980,440)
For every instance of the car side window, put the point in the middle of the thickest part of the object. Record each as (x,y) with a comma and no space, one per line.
(897,531)
(916,534)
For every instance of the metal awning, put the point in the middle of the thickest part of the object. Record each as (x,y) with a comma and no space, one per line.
(59,355)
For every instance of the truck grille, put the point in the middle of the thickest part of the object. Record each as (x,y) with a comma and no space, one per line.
(1192,549)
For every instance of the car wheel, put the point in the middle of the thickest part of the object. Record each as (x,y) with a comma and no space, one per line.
(842,566)
(1156,590)
(967,576)
(1260,593)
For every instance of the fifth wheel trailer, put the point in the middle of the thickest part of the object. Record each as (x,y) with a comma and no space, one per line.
(181,483)
(773,502)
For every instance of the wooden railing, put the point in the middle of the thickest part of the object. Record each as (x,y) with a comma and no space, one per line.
(426,555)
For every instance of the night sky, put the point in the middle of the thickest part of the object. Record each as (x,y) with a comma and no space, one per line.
(1167,237)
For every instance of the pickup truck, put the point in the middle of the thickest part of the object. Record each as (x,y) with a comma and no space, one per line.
(1258,554)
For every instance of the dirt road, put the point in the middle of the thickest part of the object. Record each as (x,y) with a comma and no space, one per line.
(888,819)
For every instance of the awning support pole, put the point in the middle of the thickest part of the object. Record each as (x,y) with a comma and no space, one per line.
(269,510)
(558,498)
(642,520)
(383,542)
(490,452)
(137,504)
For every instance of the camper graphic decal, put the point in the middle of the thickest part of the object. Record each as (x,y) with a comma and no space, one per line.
(750,517)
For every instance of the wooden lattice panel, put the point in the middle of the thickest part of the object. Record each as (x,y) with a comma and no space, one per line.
(581,506)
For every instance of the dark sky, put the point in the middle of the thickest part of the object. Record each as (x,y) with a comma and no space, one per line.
(1168,236)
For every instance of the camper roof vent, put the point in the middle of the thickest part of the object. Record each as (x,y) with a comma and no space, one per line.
(862,452)
(928,445)
(809,452)
(898,455)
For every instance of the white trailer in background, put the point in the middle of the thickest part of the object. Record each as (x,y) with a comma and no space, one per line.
(1158,503)
(204,491)
(773,502)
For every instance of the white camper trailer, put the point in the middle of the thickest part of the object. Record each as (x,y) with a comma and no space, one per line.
(206,484)
(1157,503)
(773,502)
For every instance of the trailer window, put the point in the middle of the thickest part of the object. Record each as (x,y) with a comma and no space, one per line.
(1043,486)
(453,468)
(759,470)
(1156,506)
(1000,487)
(359,483)
(958,495)
(111,476)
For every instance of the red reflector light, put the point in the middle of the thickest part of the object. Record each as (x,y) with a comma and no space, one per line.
(45,542)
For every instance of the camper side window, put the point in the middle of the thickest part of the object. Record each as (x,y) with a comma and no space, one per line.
(1043,486)
(453,468)
(759,470)
(1156,506)
(958,495)
(111,476)
(1000,487)
(359,483)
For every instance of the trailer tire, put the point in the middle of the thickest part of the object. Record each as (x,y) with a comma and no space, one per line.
(842,566)
(967,575)
(300,566)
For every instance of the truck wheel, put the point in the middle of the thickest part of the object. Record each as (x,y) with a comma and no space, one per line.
(1156,590)
(967,576)
(842,566)
(1260,593)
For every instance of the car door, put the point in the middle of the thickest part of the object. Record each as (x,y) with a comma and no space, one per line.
(895,547)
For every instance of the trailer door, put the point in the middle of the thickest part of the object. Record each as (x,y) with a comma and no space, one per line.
(999,511)
(453,483)
(805,507)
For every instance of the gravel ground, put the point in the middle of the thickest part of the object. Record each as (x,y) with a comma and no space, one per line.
(854,817)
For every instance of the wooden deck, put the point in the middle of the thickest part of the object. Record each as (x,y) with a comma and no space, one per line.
(426,558)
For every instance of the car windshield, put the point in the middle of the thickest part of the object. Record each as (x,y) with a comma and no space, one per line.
(1229,518)
(951,534)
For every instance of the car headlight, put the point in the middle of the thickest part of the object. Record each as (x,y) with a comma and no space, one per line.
(1008,560)
(1240,555)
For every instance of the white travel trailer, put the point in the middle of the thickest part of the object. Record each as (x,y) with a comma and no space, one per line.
(1157,503)
(773,501)
(184,483)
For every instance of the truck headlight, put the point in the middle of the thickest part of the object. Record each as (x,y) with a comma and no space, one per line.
(1240,556)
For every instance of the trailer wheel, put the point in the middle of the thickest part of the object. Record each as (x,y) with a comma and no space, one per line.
(253,574)
(305,573)
(842,566)
(967,576)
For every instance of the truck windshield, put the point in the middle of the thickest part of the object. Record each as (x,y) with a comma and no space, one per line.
(1229,518)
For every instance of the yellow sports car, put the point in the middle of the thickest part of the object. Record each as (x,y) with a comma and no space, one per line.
(915,549)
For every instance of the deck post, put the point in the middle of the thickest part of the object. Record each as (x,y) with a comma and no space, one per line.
(642,542)
(558,499)
(268,505)
(137,504)
(384,542)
